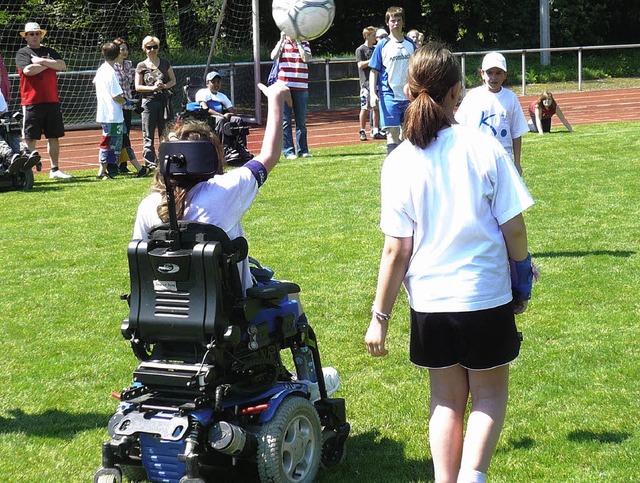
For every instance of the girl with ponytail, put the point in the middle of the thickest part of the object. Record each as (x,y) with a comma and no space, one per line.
(451,213)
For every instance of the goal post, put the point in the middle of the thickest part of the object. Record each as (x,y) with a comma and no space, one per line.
(78,28)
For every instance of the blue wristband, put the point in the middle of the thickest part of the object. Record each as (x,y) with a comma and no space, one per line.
(128,102)
(521,278)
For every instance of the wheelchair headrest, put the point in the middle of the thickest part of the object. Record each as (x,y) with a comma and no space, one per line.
(194,158)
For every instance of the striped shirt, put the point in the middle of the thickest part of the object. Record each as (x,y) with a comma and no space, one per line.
(293,70)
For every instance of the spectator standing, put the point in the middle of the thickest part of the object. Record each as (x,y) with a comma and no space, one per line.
(542,110)
(110,113)
(293,70)
(389,64)
(154,79)
(126,76)
(495,110)
(363,54)
(452,243)
(38,67)
(381,34)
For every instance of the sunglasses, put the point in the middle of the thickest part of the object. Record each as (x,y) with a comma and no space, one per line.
(150,47)
(32,34)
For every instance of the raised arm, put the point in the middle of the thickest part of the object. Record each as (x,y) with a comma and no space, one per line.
(277,94)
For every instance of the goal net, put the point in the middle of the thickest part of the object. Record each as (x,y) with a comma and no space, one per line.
(186,29)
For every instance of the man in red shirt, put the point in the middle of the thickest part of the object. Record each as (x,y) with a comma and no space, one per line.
(38,67)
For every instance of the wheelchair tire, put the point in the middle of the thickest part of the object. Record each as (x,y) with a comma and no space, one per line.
(290,445)
(23,180)
(134,474)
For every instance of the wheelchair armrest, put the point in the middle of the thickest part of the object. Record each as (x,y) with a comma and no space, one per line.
(273,291)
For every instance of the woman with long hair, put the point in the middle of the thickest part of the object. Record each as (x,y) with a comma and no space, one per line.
(451,213)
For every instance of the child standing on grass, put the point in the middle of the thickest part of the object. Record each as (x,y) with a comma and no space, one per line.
(494,109)
(452,242)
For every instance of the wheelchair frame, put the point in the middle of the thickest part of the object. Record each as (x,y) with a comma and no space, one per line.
(211,394)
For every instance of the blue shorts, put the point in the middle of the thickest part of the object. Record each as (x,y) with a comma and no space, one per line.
(392,111)
(482,339)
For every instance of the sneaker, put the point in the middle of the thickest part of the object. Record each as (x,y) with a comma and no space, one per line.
(150,166)
(331,382)
(59,175)
(142,173)
(111,169)
(363,135)
(33,160)
(379,135)
(307,155)
(291,156)
(122,168)
(16,164)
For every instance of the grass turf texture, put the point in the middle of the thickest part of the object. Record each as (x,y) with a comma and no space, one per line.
(573,411)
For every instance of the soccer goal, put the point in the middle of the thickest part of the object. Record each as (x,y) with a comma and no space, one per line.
(195,35)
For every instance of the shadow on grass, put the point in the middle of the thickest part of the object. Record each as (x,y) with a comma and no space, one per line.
(585,436)
(377,459)
(51,423)
(578,254)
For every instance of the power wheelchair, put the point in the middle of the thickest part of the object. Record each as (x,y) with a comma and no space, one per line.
(17,175)
(211,397)
(232,134)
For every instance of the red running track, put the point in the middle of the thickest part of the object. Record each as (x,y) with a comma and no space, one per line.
(79,149)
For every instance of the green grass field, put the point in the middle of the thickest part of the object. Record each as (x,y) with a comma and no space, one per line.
(573,414)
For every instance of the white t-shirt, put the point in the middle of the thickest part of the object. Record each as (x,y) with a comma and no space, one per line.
(216,101)
(107,87)
(498,114)
(451,198)
(221,201)
(391,59)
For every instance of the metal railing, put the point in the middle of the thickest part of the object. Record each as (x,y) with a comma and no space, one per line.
(333,82)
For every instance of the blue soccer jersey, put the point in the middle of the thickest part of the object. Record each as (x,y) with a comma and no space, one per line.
(391,60)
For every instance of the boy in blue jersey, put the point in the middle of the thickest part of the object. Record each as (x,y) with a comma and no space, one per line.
(389,66)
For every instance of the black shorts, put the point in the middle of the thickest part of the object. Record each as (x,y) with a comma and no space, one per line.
(482,339)
(45,118)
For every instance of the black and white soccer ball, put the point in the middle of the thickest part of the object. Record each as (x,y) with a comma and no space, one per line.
(303,19)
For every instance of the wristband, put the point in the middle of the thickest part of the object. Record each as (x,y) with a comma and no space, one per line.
(521,278)
(128,102)
(380,316)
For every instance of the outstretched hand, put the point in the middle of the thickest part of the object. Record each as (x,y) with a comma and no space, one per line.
(277,91)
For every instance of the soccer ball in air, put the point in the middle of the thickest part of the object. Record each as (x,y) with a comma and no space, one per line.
(303,19)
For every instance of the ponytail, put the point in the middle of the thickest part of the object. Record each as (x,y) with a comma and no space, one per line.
(433,71)
(423,119)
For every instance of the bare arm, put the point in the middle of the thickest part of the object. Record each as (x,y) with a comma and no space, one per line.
(373,87)
(539,121)
(39,64)
(277,50)
(514,232)
(277,94)
(563,119)
(363,64)
(304,53)
(517,149)
(393,267)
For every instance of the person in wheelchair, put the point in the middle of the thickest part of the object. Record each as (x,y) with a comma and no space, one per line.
(229,127)
(222,199)
(14,154)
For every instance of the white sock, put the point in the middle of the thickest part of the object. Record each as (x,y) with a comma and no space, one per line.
(471,476)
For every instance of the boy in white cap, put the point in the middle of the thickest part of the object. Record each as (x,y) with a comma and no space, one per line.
(494,109)
(215,102)
(38,67)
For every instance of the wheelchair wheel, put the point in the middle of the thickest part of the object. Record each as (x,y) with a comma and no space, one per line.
(23,180)
(290,445)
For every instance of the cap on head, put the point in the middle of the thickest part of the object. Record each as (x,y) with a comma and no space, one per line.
(189,158)
(32,27)
(212,75)
(381,33)
(494,59)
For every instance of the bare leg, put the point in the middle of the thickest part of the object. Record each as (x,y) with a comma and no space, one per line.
(489,395)
(449,395)
(364,115)
(54,151)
